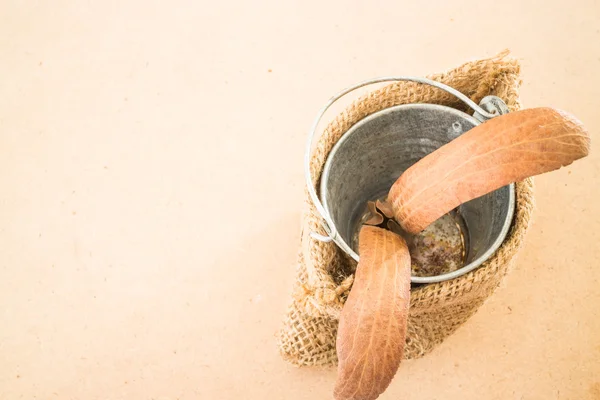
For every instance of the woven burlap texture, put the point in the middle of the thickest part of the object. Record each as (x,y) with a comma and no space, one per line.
(324,273)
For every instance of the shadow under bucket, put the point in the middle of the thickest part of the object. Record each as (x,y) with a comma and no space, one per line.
(372,154)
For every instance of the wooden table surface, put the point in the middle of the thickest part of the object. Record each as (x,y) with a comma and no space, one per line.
(151,187)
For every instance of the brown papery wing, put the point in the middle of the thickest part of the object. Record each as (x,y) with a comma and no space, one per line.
(372,330)
(503,150)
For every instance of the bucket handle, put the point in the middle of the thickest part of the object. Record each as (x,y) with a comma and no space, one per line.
(327,222)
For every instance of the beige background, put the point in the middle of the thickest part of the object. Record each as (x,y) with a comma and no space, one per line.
(151,186)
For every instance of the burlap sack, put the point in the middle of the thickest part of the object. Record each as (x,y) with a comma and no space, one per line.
(325,273)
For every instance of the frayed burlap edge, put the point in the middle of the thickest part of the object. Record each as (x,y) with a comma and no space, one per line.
(324,273)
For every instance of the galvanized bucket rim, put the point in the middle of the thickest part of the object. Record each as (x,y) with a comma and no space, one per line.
(327,222)
(339,240)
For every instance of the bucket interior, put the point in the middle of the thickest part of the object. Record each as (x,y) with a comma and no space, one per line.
(369,158)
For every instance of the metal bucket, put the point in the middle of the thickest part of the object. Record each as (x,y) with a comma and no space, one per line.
(373,153)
